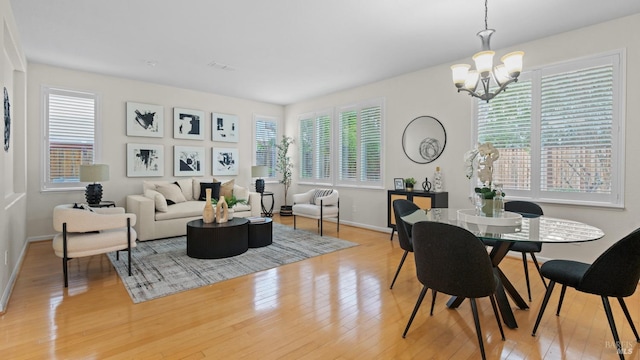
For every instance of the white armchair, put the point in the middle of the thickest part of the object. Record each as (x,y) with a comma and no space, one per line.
(317,204)
(91,231)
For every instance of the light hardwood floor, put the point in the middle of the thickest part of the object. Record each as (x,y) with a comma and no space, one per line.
(336,306)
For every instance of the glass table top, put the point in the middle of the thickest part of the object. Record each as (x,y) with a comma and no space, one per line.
(512,227)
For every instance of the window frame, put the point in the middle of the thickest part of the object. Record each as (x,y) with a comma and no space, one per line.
(46,91)
(615,199)
(315,179)
(277,122)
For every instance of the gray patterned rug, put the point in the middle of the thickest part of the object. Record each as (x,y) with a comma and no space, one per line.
(162,267)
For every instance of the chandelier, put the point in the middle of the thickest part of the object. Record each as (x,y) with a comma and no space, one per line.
(477,82)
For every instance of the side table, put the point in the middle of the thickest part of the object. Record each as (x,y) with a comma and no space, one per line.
(267,213)
(104,204)
(260,233)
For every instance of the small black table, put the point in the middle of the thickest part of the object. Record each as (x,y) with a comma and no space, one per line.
(217,240)
(103,204)
(260,233)
(268,213)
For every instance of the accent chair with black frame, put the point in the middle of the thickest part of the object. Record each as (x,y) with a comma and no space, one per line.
(402,207)
(317,204)
(88,231)
(451,260)
(615,273)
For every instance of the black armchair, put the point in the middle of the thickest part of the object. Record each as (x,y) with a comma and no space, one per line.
(452,260)
(615,273)
(402,207)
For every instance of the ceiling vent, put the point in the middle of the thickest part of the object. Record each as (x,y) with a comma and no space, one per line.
(221,66)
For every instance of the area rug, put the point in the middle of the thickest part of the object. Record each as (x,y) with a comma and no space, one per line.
(162,267)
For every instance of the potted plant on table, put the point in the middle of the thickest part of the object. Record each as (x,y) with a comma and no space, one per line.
(481,159)
(285,167)
(231,202)
(409,183)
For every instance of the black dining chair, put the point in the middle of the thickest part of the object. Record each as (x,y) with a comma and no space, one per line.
(451,260)
(402,207)
(615,273)
(530,210)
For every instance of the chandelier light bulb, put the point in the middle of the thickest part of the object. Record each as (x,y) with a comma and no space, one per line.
(484,62)
(459,72)
(513,63)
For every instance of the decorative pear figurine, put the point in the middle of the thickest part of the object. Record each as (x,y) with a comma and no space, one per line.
(222,210)
(208,214)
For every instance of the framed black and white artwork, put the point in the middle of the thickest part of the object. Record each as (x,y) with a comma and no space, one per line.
(188,124)
(145,120)
(145,160)
(225,161)
(188,160)
(224,127)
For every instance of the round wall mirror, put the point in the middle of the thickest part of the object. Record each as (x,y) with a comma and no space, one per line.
(424,139)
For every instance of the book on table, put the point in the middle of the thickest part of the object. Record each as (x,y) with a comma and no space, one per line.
(255,219)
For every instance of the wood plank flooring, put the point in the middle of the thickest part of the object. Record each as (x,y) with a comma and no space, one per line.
(336,306)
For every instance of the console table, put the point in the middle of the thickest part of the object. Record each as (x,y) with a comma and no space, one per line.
(424,199)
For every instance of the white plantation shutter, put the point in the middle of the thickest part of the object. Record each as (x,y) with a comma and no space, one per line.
(323,147)
(315,147)
(71,120)
(306,147)
(559,133)
(360,144)
(266,138)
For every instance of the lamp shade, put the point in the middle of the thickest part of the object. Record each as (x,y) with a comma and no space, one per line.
(259,171)
(94,173)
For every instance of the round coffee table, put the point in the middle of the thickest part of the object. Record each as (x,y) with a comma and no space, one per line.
(217,240)
(260,233)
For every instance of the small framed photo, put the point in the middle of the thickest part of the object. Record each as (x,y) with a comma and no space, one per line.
(224,127)
(188,161)
(145,160)
(225,161)
(188,124)
(145,120)
(398,183)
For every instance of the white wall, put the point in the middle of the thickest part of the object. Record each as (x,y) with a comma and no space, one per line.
(431,92)
(114,93)
(12,162)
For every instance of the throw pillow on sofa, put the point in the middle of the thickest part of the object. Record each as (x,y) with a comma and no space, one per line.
(226,188)
(215,190)
(172,193)
(186,185)
(158,199)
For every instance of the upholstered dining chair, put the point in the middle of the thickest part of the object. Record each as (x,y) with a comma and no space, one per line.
(451,260)
(530,210)
(402,207)
(88,231)
(615,273)
(317,204)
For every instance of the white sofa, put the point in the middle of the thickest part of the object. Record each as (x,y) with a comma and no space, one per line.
(156,219)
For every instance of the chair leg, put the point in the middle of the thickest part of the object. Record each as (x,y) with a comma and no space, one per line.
(433,301)
(415,309)
(564,290)
(545,301)
(129,242)
(526,274)
(495,312)
(294,222)
(65,258)
(612,325)
(392,231)
(476,320)
(535,262)
(404,256)
(628,316)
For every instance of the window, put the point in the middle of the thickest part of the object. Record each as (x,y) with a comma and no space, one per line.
(559,132)
(315,147)
(70,127)
(360,144)
(266,138)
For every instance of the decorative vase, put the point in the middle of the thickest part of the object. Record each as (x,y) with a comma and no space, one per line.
(222,210)
(409,187)
(487,208)
(230,214)
(438,184)
(208,214)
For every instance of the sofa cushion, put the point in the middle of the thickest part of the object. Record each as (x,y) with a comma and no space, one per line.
(241,207)
(226,188)
(158,199)
(241,193)
(181,210)
(215,190)
(172,193)
(196,186)
(186,185)
(151,184)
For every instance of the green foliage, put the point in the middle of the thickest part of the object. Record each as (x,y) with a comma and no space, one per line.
(284,165)
(231,201)
(410,181)
(486,192)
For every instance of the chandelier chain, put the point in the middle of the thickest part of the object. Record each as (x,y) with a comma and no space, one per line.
(486,12)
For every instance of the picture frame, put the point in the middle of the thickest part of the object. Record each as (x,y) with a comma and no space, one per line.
(145,120)
(398,184)
(188,124)
(224,161)
(188,160)
(224,127)
(145,160)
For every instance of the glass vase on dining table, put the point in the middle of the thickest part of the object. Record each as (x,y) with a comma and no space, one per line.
(478,202)
(498,201)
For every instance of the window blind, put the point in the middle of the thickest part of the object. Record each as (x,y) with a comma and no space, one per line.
(266,132)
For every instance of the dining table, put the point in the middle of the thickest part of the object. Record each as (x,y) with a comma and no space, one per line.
(503,232)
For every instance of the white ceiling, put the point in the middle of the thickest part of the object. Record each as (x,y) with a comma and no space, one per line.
(284,51)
